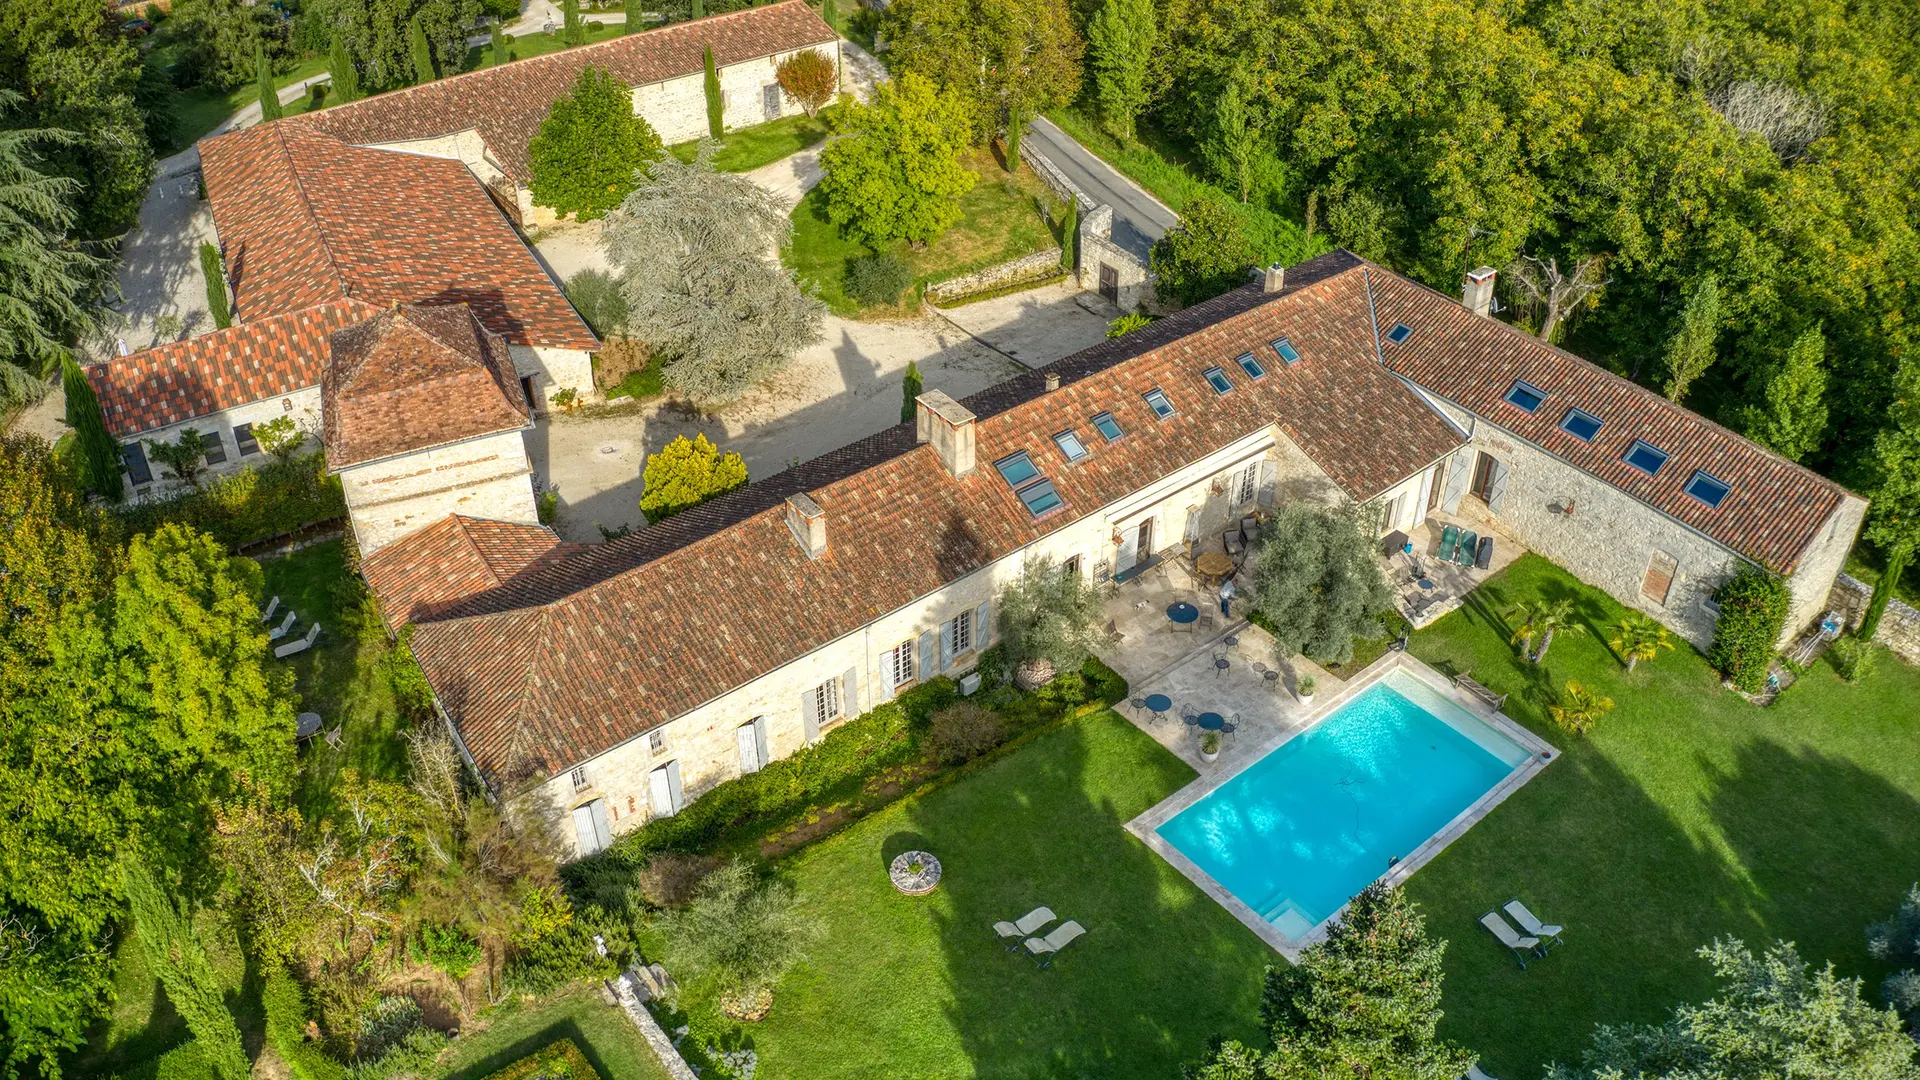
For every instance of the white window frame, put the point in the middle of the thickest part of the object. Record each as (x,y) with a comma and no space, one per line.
(900,661)
(963,632)
(826,702)
(579,778)
(1247,484)
(656,741)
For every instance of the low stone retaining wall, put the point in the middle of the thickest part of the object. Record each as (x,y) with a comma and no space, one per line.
(1040,264)
(650,1030)
(1048,172)
(1899,628)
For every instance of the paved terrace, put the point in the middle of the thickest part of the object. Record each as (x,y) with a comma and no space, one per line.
(1450,582)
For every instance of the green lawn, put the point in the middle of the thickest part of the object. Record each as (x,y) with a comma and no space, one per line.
(603,1033)
(199,110)
(1686,814)
(537,44)
(920,987)
(1005,216)
(747,149)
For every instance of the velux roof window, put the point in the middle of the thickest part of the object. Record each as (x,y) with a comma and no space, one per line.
(1707,488)
(1218,380)
(1107,426)
(1525,396)
(1158,400)
(1580,424)
(1283,347)
(1400,333)
(1069,443)
(1646,457)
(1249,365)
(1036,492)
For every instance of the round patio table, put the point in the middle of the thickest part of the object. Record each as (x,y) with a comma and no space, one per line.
(1182,612)
(306,725)
(1210,721)
(1214,564)
(1159,703)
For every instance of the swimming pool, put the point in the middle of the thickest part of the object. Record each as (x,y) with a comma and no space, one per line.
(1297,833)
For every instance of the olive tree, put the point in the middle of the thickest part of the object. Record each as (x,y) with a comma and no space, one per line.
(740,933)
(1316,581)
(1049,621)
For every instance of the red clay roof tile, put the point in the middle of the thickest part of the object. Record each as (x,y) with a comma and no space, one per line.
(453,559)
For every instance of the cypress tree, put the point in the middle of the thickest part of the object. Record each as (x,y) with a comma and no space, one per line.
(99,454)
(177,958)
(830,15)
(1015,123)
(1883,592)
(216,286)
(572,30)
(422,52)
(499,45)
(715,124)
(699,9)
(910,387)
(269,94)
(346,78)
(630,23)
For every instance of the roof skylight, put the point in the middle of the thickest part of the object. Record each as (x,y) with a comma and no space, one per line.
(1040,498)
(1284,347)
(1069,443)
(1707,488)
(1017,469)
(1580,424)
(1525,396)
(1400,333)
(1218,380)
(1646,457)
(1107,426)
(1158,400)
(1036,492)
(1249,365)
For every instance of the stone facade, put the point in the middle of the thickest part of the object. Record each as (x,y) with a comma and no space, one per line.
(1820,567)
(488,477)
(1039,266)
(553,370)
(1131,287)
(706,744)
(1899,627)
(302,405)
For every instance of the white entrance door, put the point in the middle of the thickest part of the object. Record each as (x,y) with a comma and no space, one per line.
(752,740)
(1129,552)
(664,789)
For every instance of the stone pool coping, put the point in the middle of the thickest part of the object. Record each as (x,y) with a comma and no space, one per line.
(1540,754)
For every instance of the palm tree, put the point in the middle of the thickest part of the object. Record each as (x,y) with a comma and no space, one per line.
(1638,638)
(1581,708)
(1540,619)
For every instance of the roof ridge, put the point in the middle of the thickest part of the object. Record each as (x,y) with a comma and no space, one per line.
(306,204)
(553,56)
(1645,392)
(460,522)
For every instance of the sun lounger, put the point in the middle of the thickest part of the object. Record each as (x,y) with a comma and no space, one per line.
(1449,543)
(1504,934)
(1045,949)
(1031,921)
(280,631)
(273,608)
(1483,557)
(1532,925)
(297,645)
(1469,543)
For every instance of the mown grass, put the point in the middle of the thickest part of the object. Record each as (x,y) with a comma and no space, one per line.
(1005,216)
(749,148)
(609,1041)
(1687,814)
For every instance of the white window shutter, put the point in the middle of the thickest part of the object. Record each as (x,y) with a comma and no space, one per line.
(602,829)
(886,675)
(946,645)
(583,830)
(760,739)
(1497,486)
(660,792)
(748,746)
(810,716)
(673,785)
(1269,491)
(1459,472)
(850,692)
(982,625)
(928,668)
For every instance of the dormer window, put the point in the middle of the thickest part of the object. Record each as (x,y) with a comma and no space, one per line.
(1646,457)
(1217,379)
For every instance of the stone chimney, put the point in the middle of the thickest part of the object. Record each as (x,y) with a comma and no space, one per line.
(1052,381)
(1477,294)
(809,525)
(948,425)
(1273,278)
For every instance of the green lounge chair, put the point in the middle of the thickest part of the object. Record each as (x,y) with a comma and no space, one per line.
(1469,541)
(1449,541)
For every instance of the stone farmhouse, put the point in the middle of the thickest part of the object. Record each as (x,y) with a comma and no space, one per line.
(600,687)
(487,118)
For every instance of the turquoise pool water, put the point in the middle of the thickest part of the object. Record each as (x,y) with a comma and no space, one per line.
(1303,829)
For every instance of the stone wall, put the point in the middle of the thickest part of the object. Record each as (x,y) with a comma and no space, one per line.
(677,108)
(1096,251)
(1034,267)
(705,741)
(487,477)
(554,370)
(1820,566)
(303,405)
(1899,627)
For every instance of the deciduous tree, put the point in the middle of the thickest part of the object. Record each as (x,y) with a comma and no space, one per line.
(1893,518)
(185,457)
(1204,255)
(897,174)
(1049,621)
(221,41)
(591,148)
(740,933)
(379,35)
(1120,44)
(683,474)
(1555,293)
(1233,145)
(695,250)
(1004,61)
(1316,581)
(1791,417)
(808,79)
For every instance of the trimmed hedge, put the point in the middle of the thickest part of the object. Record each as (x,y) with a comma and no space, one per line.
(552,1061)
(1753,612)
(251,505)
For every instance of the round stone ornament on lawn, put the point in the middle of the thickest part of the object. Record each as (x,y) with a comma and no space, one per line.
(914,872)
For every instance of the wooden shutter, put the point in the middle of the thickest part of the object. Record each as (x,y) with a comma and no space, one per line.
(1269,490)
(660,792)
(583,831)
(810,715)
(928,668)
(946,645)
(1458,474)
(887,660)
(850,693)
(602,829)
(748,747)
(673,785)
(760,739)
(1496,484)
(1659,580)
(982,625)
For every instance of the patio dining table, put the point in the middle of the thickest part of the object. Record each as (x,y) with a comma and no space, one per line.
(1182,612)
(1214,564)
(1210,721)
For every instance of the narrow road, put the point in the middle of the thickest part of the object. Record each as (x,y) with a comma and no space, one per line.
(1138,218)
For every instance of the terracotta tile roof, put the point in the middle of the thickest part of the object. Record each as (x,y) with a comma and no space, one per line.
(416,377)
(304,219)
(1775,508)
(455,558)
(250,362)
(581,654)
(506,104)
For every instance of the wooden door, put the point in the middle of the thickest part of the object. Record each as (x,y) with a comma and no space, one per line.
(1110,284)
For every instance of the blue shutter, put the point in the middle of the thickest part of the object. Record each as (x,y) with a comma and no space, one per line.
(673,785)
(809,720)
(946,645)
(982,625)
(928,669)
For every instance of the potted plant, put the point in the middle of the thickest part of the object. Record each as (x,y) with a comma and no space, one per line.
(1304,689)
(1049,622)
(1209,745)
